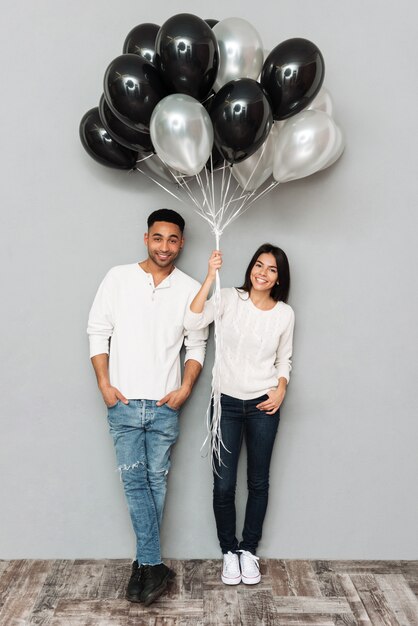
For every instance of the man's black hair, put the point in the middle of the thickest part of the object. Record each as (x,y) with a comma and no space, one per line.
(166,215)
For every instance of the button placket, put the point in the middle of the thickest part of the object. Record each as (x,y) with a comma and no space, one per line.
(151,284)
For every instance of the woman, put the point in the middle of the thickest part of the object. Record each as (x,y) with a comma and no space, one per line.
(255,361)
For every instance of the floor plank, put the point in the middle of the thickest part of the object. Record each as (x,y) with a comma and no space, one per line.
(221,607)
(164,609)
(114,578)
(53,589)
(257,608)
(279,576)
(13,571)
(400,597)
(311,605)
(410,572)
(360,567)
(287,619)
(18,605)
(84,579)
(302,579)
(374,601)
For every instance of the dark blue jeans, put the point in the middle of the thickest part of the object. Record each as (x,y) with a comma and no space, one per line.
(241,418)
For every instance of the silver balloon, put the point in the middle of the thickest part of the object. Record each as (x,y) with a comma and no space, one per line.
(240,51)
(308,142)
(256,169)
(265,55)
(322,102)
(182,133)
(154,167)
(339,149)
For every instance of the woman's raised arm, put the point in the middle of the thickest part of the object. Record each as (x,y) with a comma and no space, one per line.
(215,263)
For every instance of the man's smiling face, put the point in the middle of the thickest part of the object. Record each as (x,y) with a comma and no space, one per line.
(164,241)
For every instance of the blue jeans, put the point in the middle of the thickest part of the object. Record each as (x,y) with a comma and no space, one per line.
(241,418)
(143,434)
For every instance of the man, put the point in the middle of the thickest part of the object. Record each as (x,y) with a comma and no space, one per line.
(136,333)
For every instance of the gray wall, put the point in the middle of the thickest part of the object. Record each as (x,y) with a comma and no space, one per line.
(343,480)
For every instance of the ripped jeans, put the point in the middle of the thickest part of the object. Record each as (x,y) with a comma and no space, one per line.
(143,434)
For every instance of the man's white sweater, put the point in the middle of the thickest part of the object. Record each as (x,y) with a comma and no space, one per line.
(141,327)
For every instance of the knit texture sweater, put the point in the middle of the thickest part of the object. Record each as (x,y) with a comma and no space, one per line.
(256,347)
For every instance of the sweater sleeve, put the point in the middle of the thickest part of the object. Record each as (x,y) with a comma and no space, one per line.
(101,320)
(283,362)
(197,321)
(195,344)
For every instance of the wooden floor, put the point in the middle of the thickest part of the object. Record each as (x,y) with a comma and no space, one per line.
(314,593)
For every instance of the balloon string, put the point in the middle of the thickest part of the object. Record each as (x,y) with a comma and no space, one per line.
(145,158)
(256,165)
(212,179)
(230,207)
(214,410)
(158,183)
(216,384)
(262,193)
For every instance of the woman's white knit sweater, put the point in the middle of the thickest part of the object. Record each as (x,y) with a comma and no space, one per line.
(256,345)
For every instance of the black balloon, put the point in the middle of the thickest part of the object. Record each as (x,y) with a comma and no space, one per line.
(132,88)
(292,75)
(141,41)
(100,145)
(241,117)
(211,23)
(125,135)
(187,55)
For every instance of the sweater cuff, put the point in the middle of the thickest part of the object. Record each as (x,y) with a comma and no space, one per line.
(196,354)
(98,345)
(283,372)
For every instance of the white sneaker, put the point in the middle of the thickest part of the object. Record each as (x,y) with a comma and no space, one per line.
(231,574)
(250,569)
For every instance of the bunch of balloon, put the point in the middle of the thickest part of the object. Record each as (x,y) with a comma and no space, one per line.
(194,106)
(195,97)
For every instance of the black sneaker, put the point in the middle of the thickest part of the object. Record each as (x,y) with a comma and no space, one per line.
(134,588)
(154,581)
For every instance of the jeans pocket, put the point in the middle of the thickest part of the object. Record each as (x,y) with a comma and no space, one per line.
(229,400)
(113,405)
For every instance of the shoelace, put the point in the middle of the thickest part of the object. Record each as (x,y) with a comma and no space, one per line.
(230,562)
(251,557)
(146,572)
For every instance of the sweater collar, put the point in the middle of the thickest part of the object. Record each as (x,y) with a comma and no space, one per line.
(167,282)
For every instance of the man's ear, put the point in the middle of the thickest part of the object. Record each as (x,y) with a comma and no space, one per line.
(182,243)
(145,238)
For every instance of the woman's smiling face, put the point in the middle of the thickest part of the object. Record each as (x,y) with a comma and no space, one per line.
(264,273)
